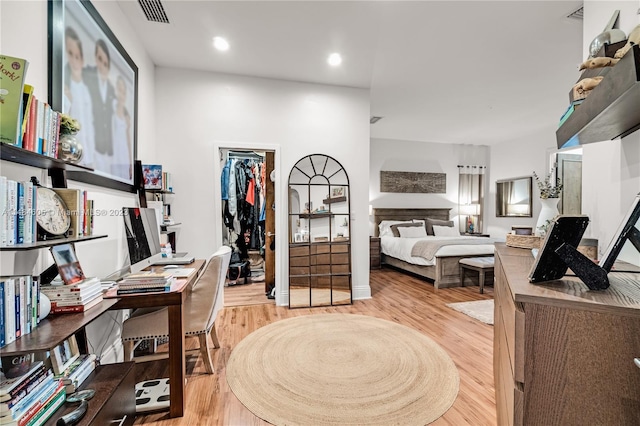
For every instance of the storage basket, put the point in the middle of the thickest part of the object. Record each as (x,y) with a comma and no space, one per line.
(524,241)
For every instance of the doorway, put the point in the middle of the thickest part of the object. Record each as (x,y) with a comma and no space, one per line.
(569,171)
(248,226)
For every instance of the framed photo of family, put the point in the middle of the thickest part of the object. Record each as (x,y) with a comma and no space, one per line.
(63,355)
(93,79)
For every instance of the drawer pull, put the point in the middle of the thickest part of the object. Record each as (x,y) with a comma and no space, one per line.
(636,361)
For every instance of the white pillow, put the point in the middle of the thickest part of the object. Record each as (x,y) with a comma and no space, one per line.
(445,231)
(384,227)
(413,232)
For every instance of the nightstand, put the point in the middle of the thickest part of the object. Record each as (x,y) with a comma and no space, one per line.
(467,234)
(374,253)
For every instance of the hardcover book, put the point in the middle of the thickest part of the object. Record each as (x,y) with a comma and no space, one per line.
(12,73)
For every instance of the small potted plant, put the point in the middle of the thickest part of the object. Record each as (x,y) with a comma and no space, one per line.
(69,148)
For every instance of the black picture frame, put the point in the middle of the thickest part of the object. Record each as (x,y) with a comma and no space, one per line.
(559,253)
(562,230)
(628,231)
(110,144)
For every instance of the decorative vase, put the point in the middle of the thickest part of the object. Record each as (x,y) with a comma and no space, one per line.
(69,148)
(548,212)
(45,306)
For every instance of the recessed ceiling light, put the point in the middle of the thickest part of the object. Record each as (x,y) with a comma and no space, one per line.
(221,44)
(334,59)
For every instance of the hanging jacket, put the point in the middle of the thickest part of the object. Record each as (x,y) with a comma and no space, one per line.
(233,206)
(224,180)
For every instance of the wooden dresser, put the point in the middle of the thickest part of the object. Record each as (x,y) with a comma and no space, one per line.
(563,355)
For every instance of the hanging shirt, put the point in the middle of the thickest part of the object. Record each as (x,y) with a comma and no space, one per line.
(233,206)
(224,180)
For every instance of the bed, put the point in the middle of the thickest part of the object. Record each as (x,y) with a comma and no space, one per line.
(443,269)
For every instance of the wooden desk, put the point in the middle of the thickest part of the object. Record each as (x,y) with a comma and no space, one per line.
(174,301)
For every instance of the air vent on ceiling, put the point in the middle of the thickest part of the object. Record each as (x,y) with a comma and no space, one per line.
(374,119)
(154,11)
(577,14)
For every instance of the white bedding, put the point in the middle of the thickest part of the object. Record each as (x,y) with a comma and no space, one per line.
(400,248)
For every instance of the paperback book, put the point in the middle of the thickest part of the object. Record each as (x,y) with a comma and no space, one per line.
(12,74)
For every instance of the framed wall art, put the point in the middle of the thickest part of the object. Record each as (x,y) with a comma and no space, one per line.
(93,79)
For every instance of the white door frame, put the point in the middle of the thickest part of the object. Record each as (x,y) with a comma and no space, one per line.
(279,201)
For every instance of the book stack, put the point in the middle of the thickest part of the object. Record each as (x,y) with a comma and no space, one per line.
(19,307)
(71,298)
(77,372)
(146,282)
(30,398)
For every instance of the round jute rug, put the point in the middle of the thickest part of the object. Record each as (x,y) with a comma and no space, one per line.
(342,369)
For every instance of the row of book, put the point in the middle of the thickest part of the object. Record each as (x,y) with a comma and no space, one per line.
(18,207)
(19,307)
(27,122)
(18,204)
(32,392)
(146,282)
(71,298)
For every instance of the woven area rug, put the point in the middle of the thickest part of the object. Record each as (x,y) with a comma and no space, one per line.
(342,369)
(481,310)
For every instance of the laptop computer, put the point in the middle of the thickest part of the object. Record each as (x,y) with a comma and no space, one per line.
(178,259)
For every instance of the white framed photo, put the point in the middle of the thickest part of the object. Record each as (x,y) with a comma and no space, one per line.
(63,355)
(337,191)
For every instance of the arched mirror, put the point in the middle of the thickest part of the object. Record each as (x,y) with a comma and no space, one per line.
(319,233)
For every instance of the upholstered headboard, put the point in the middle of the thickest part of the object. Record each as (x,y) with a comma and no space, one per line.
(408,214)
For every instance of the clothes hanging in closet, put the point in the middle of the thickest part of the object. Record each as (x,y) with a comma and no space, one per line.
(243,203)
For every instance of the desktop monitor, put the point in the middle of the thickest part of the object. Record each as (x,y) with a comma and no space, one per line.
(143,237)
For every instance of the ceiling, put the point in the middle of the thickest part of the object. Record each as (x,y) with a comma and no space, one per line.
(473,72)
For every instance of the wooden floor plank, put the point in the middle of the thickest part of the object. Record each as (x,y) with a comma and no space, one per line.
(396,297)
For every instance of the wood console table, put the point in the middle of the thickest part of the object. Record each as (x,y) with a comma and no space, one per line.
(564,355)
(174,301)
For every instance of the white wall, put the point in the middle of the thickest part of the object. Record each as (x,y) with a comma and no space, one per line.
(200,112)
(426,157)
(611,169)
(27,38)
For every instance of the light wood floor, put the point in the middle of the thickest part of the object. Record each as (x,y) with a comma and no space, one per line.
(246,294)
(396,297)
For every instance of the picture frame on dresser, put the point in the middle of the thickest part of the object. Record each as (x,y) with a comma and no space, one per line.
(89,66)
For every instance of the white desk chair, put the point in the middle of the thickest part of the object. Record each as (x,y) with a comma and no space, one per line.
(199,311)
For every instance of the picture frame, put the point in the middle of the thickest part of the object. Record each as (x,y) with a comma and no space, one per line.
(337,191)
(298,237)
(152,176)
(63,355)
(67,262)
(106,78)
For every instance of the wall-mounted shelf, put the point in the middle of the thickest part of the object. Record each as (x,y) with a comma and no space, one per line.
(159,191)
(315,215)
(611,111)
(33,159)
(59,170)
(49,243)
(334,200)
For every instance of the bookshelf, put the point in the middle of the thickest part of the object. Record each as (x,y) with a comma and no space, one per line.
(114,384)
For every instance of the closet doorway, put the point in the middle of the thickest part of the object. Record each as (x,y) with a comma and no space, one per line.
(248,226)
